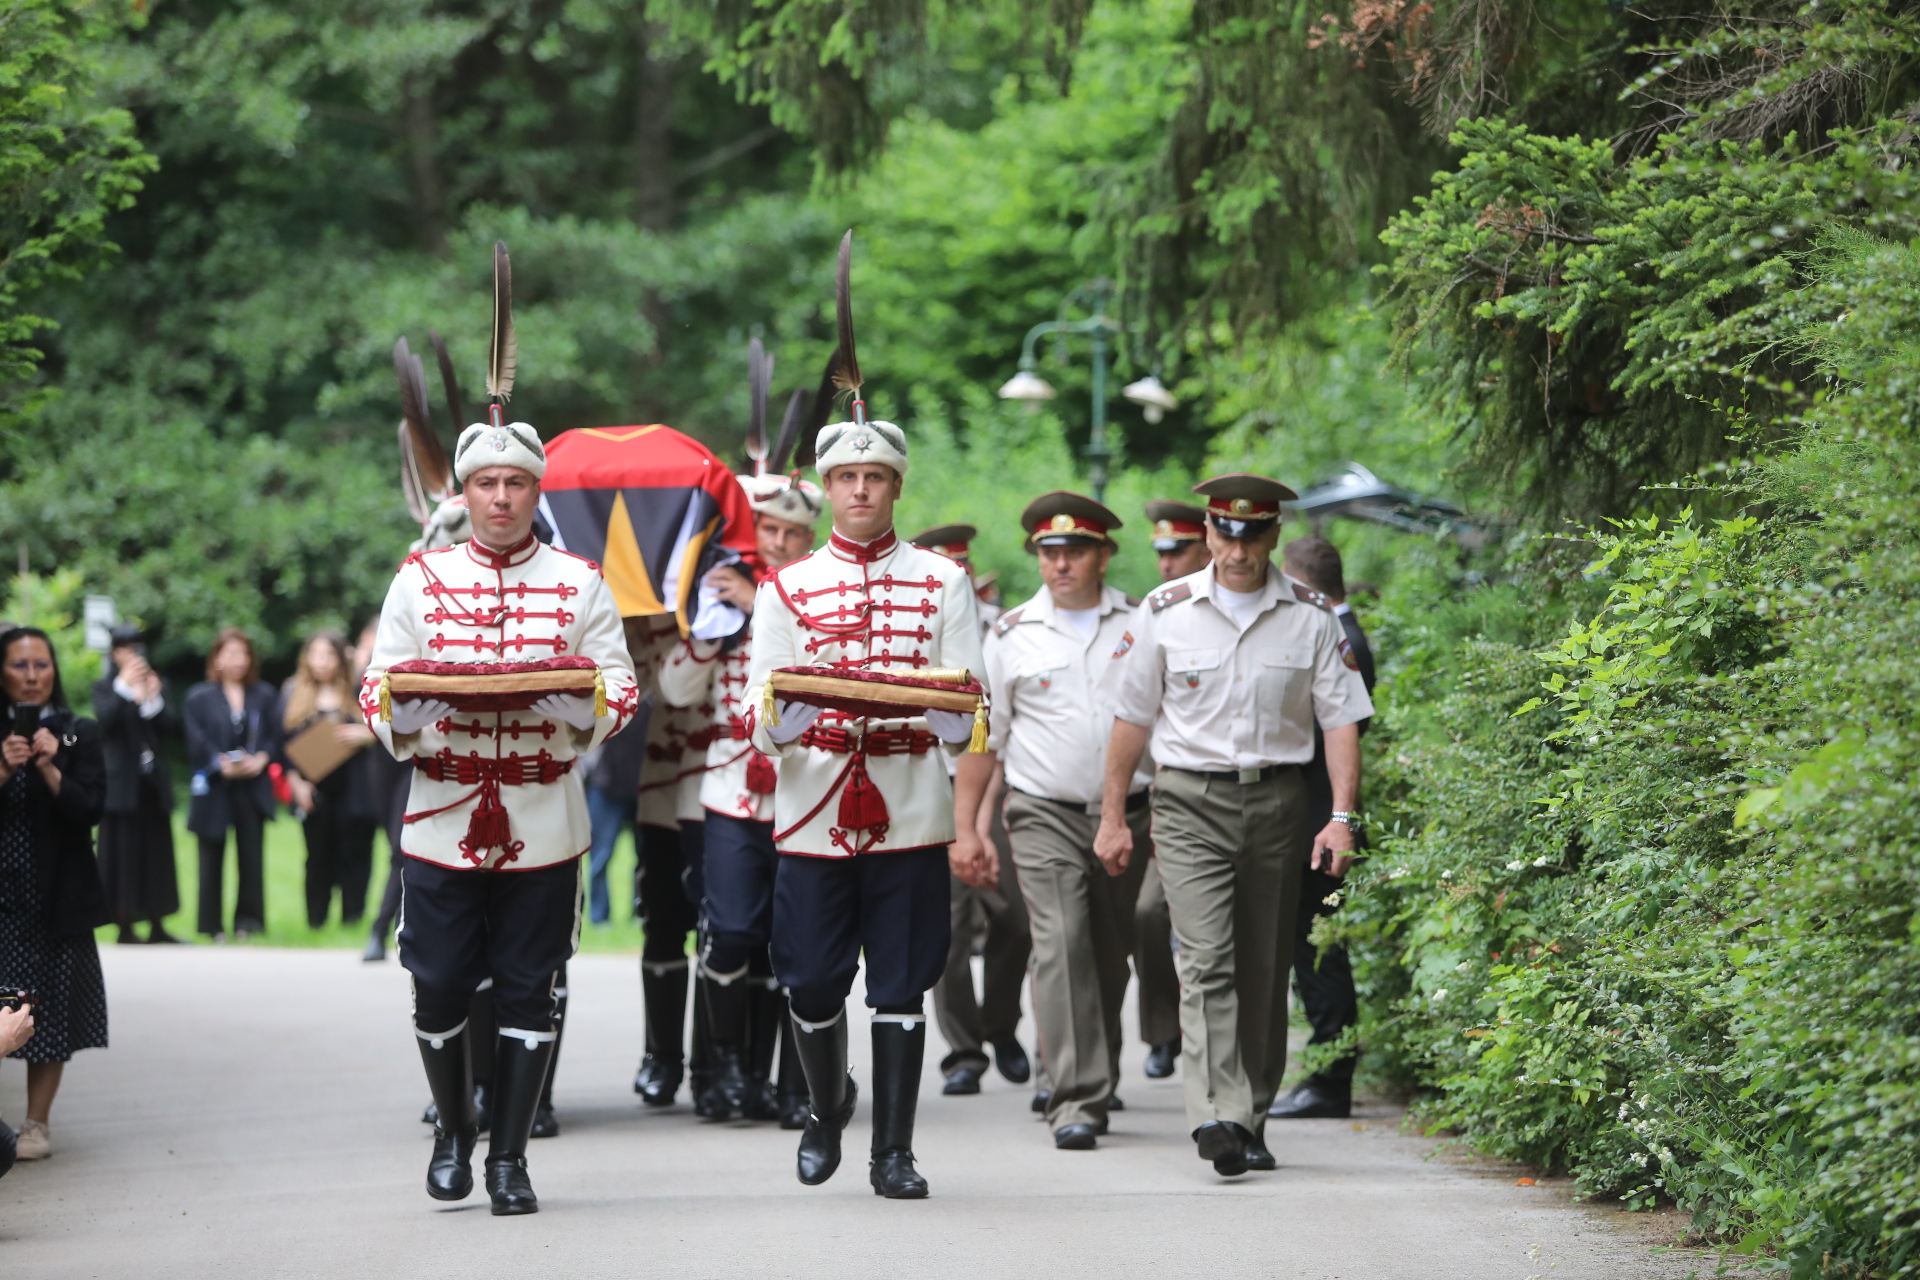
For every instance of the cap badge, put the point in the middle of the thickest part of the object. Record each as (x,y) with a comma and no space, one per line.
(499,442)
(862,443)
(1241,506)
(1062,523)
(1163,527)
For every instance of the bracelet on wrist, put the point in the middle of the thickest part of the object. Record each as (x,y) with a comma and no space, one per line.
(1351,819)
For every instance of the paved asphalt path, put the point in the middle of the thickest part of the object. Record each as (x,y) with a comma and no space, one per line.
(258,1116)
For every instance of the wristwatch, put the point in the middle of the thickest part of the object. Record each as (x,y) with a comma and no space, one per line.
(1351,819)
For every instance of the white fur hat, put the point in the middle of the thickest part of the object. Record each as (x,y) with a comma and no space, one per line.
(484,445)
(795,501)
(844,443)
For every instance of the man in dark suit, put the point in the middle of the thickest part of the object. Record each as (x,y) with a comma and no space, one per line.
(1324,980)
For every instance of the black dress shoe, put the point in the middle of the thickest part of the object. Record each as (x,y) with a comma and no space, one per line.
(1074,1137)
(431,1115)
(964,1078)
(376,951)
(793,1112)
(893,1176)
(761,1104)
(544,1124)
(1041,1099)
(1312,1099)
(820,1140)
(1115,1102)
(657,1081)
(1012,1061)
(1224,1143)
(1161,1059)
(711,1104)
(450,1170)
(511,1189)
(1259,1159)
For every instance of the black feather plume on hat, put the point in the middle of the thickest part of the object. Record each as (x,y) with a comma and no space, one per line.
(503,352)
(790,427)
(846,375)
(456,403)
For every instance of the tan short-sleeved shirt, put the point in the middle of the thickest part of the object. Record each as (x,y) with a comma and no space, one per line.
(1219,698)
(1053,692)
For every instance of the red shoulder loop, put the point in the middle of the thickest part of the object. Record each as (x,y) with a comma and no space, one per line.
(591,564)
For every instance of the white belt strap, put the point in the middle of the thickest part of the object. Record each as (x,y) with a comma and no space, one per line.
(663,966)
(532,1039)
(908,1020)
(724,979)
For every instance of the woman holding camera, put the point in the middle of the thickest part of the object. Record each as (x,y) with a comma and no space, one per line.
(317,702)
(53,783)
(232,732)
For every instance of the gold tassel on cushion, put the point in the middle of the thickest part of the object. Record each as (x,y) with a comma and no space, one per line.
(599,694)
(977,744)
(386,698)
(769,709)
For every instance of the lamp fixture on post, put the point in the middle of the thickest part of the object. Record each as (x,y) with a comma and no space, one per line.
(1152,396)
(1029,386)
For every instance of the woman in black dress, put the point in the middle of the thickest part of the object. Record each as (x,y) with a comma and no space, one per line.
(232,733)
(339,825)
(136,831)
(52,786)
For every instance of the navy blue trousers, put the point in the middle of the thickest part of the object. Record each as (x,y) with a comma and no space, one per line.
(458,928)
(667,897)
(740,864)
(827,911)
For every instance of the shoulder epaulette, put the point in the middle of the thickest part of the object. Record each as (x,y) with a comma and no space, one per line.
(591,564)
(1169,595)
(1007,621)
(1307,595)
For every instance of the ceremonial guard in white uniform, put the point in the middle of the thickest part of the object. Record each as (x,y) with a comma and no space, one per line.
(865,813)
(995,916)
(1051,663)
(744,1005)
(667,887)
(496,818)
(1226,672)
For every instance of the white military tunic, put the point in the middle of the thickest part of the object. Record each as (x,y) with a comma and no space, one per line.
(1222,698)
(731,782)
(1054,692)
(468,604)
(884,606)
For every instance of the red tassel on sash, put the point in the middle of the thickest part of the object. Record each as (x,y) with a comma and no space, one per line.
(488,827)
(862,807)
(762,777)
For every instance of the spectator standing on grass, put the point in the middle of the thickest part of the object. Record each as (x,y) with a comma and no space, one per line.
(136,830)
(338,817)
(383,786)
(231,736)
(52,785)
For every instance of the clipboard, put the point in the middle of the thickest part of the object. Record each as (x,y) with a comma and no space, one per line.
(316,751)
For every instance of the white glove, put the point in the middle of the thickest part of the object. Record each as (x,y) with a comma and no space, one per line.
(575,709)
(795,719)
(412,717)
(950,726)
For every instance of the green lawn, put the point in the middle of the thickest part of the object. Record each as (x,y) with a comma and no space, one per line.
(286,858)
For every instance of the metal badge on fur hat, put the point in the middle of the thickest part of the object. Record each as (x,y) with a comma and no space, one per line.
(847,444)
(795,501)
(509,444)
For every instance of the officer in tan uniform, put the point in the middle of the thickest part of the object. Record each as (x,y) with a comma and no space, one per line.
(1180,545)
(1051,662)
(994,916)
(1228,669)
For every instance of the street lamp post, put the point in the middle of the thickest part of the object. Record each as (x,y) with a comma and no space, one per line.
(1028,385)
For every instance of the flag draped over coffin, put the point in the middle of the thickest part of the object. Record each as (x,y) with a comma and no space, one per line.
(654,507)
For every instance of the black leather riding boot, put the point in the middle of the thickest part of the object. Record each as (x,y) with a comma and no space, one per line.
(822,1051)
(899,1046)
(450,1170)
(766,1013)
(663,988)
(544,1124)
(700,1052)
(727,1005)
(519,1074)
(793,1081)
(481,1034)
